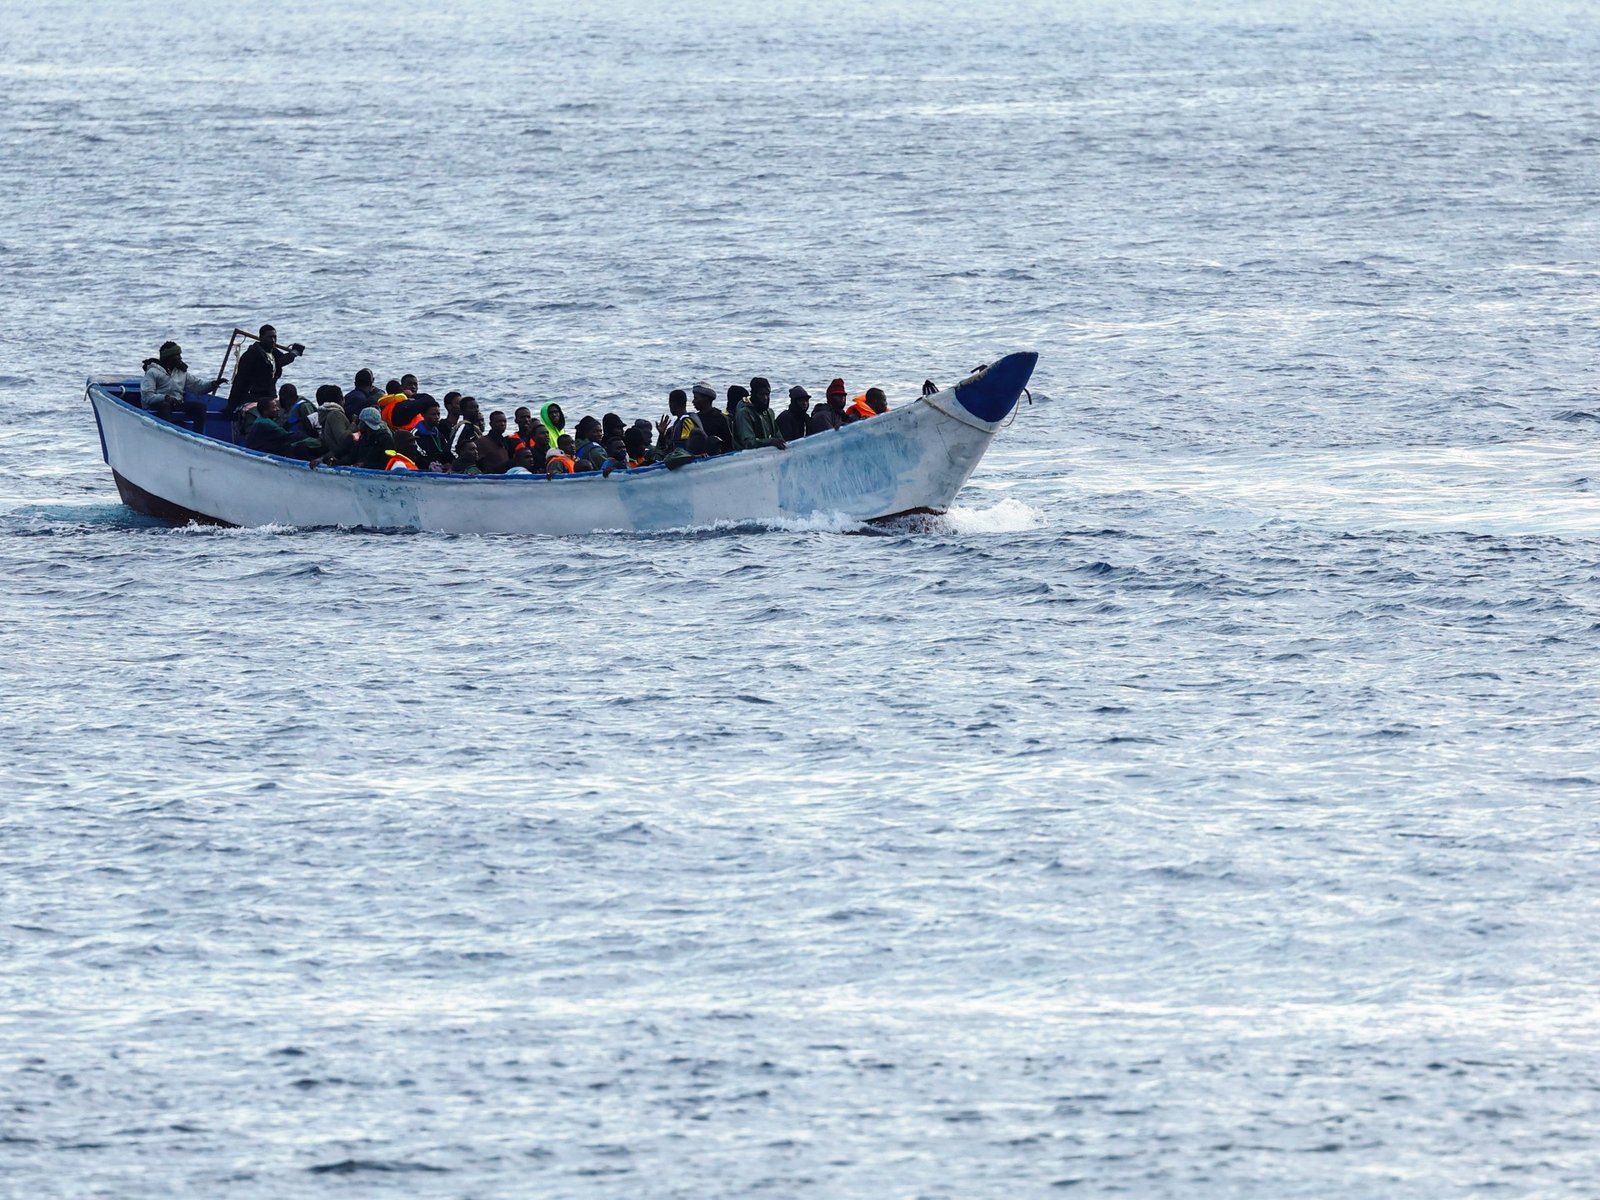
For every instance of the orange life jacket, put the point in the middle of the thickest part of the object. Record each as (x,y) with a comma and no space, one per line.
(860,408)
(567,460)
(398,462)
(386,405)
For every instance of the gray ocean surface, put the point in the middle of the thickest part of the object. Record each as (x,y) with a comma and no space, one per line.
(1205,807)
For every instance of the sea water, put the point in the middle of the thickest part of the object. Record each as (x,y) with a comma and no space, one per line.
(1205,806)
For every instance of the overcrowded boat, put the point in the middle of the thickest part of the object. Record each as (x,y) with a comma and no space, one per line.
(912,458)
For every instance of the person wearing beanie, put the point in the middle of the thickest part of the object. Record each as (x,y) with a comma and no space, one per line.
(793,422)
(713,422)
(167,385)
(830,414)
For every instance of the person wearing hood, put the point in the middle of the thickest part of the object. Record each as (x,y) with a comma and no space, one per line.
(259,369)
(373,446)
(755,425)
(713,421)
(794,421)
(554,421)
(334,424)
(737,395)
(166,385)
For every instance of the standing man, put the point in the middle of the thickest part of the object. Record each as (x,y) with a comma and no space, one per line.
(259,368)
(166,385)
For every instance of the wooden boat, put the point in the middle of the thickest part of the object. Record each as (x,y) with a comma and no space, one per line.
(908,460)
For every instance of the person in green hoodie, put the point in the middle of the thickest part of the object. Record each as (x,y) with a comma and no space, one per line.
(553,419)
(754,425)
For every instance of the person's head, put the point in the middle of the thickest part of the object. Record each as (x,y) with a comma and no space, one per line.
(611,426)
(799,400)
(329,393)
(704,396)
(408,384)
(760,387)
(392,388)
(617,449)
(267,407)
(370,419)
(698,443)
(431,412)
(452,402)
(588,429)
(470,410)
(268,336)
(877,401)
(497,421)
(554,415)
(364,378)
(467,452)
(836,395)
(737,394)
(171,354)
(677,402)
(637,441)
(527,459)
(541,438)
(646,430)
(565,444)
(288,396)
(524,420)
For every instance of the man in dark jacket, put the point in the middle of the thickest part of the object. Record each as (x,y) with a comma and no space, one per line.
(259,368)
(268,435)
(793,422)
(830,415)
(364,395)
(712,419)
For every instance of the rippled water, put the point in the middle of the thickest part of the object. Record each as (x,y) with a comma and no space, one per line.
(1205,807)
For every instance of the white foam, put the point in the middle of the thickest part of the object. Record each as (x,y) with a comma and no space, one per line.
(1008,516)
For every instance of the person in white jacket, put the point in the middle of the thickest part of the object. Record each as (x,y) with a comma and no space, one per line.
(167,385)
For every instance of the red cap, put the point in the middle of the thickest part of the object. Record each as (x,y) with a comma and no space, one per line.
(836,388)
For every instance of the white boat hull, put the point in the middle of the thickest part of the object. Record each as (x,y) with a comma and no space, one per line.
(913,459)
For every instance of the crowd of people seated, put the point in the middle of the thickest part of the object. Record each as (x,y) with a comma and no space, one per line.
(401,427)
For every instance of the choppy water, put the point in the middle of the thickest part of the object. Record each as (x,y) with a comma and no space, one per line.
(1206,807)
